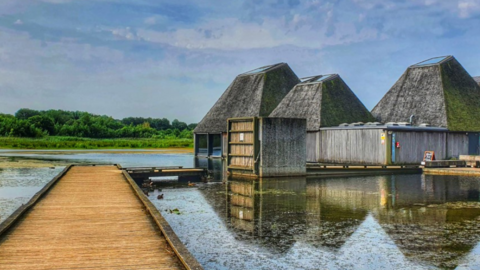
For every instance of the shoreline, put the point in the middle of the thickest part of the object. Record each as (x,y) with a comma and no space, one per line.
(18,162)
(12,158)
(106,150)
(61,142)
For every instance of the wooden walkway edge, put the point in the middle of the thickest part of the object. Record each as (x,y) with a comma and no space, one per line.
(13,218)
(178,247)
(91,217)
(452,171)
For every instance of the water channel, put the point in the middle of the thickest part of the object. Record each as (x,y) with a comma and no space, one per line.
(372,222)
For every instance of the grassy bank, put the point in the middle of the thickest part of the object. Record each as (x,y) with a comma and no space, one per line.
(56,142)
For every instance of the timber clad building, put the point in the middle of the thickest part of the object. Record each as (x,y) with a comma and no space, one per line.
(438,91)
(252,94)
(325,101)
(434,106)
(394,143)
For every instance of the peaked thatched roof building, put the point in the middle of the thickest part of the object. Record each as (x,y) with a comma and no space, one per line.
(437,91)
(477,79)
(324,100)
(254,93)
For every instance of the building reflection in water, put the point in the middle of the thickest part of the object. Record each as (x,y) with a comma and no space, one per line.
(215,166)
(431,219)
(273,212)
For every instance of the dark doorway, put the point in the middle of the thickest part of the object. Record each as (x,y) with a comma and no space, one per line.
(216,144)
(473,144)
(201,144)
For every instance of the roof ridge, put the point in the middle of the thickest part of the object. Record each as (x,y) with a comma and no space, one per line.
(438,60)
(262,70)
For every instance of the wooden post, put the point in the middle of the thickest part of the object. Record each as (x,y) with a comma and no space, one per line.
(388,148)
(229,126)
(256,148)
(195,144)
(209,144)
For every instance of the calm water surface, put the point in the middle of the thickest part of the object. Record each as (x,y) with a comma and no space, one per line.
(380,222)
(126,159)
(17,186)
(377,222)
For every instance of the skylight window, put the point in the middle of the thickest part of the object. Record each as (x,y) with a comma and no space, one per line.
(307,78)
(258,70)
(323,78)
(432,61)
(317,78)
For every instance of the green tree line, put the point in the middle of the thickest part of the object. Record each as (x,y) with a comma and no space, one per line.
(36,124)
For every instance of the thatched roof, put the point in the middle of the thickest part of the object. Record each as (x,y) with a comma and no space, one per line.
(437,91)
(477,79)
(254,93)
(324,100)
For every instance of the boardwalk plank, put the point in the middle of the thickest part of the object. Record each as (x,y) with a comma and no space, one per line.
(91,219)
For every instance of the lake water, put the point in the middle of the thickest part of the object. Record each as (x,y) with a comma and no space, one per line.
(17,186)
(374,222)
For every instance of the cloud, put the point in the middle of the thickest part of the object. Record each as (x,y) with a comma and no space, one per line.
(125,33)
(56,1)
(156,20)
(107,56)
(233,34)
(222,34)
(18,22)
(317,24)
(468,7)
(67,75)
(150,20)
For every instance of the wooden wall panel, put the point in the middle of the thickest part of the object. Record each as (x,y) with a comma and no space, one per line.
(353,146)
(283,147)
(457,144)
(312,146)
(224,144)
(242,125)
(241,161)
(247,137)
(244,150)
(414,144)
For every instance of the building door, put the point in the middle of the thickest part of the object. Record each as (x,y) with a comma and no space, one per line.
(473,144)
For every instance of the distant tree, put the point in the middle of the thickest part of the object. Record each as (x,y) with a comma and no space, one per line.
(178,125)
(160,124)
(86,119)
(78,114)
(133,121)
(24,114)
(186,134)
(146,125)
(59,116)
(7,124)
(32,123)
(44,123)
(24,128)
(192,126)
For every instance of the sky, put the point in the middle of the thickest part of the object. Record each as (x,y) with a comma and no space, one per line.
(173,59)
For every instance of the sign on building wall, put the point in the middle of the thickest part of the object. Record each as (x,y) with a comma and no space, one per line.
(429,156)
(382,137)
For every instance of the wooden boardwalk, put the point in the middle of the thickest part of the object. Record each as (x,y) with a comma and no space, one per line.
(91,219)
(453,171)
